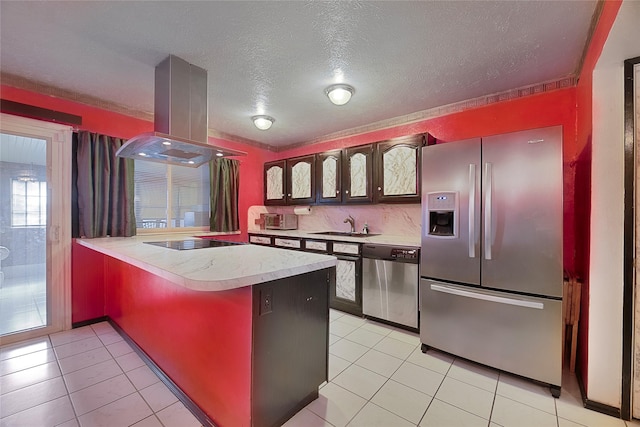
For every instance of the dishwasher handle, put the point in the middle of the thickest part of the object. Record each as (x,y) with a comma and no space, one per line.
(401,260)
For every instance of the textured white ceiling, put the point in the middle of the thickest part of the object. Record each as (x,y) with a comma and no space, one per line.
(276,58)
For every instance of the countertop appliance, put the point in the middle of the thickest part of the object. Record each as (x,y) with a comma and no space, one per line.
(491,262)
(390,283)
(182,245)
(274,221)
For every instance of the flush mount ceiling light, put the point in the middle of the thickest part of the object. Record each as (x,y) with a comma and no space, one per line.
(263,122)
(339,94)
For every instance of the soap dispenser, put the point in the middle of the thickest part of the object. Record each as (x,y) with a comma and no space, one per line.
(365,229)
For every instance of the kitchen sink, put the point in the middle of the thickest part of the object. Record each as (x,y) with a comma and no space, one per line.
(345,233)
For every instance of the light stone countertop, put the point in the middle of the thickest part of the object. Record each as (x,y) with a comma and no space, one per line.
(209,269)
(381,239)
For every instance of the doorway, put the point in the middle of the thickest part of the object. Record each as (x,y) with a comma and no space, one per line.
(35,238)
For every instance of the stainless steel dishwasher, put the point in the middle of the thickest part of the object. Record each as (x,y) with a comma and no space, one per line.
(390,283)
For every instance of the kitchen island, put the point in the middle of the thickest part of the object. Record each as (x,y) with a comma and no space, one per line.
(242,330)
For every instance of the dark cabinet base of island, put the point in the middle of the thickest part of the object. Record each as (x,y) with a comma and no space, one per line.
(290,346)
(251,356)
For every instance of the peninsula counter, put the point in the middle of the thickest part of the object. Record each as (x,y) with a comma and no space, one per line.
(242,330)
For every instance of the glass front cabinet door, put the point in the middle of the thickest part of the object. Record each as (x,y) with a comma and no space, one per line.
(274,183)
(347,293)
(301,180)
(329,182)
(398,164)
(357,174)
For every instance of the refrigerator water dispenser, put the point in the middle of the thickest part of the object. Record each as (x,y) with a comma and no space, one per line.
(443,214)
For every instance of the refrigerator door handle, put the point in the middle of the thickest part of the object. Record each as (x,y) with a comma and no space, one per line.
(488,185)
(485,297)
(472,210)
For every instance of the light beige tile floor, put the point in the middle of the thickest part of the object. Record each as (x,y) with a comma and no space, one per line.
(377,377)
(83,377)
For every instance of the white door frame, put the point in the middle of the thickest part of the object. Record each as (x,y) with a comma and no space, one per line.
(58,139)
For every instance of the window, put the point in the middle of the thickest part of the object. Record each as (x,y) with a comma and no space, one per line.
(171,196)
(28,203)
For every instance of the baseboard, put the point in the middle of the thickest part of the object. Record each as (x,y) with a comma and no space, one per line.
(188,403)
(89,322)
(596,406)
(602,408)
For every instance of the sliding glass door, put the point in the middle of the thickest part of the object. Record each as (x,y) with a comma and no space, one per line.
(34,228)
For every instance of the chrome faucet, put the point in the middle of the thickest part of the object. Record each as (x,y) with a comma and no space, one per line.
(351,221)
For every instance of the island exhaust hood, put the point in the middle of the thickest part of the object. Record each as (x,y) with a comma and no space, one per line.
(180,119)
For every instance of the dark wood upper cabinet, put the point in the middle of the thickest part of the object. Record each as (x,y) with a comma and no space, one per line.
(301,180)
(275,183)
(329,177)
(290,181)
(397,169)
(382,172)
(357,174)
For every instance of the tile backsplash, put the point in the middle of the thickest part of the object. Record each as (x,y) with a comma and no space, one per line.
(391,219)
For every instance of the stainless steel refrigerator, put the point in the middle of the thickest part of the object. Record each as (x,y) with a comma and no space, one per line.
(491,262)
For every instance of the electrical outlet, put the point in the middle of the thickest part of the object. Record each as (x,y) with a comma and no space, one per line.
(266,301)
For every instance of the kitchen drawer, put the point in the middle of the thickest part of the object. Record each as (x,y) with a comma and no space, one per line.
(346,248)
(316,245)
(287,243)
(260,240)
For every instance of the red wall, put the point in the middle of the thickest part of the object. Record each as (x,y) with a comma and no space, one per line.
(547,109)
(584,95)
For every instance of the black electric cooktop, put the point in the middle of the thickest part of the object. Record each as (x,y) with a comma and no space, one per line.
(182,245)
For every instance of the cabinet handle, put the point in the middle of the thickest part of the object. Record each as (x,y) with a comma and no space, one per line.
(346,191)
(288,195)
(379,188)
(337,191)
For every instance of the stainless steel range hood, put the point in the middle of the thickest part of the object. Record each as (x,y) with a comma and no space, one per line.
(180,119)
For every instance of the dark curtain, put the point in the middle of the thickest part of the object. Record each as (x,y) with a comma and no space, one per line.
(224,176)
(105,187)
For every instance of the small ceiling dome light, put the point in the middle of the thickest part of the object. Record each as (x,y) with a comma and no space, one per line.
(339,94)
(263,122)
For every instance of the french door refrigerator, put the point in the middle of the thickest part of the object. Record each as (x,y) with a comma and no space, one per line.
(491,262)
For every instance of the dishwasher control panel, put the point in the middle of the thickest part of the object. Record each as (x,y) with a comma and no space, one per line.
(407,254)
